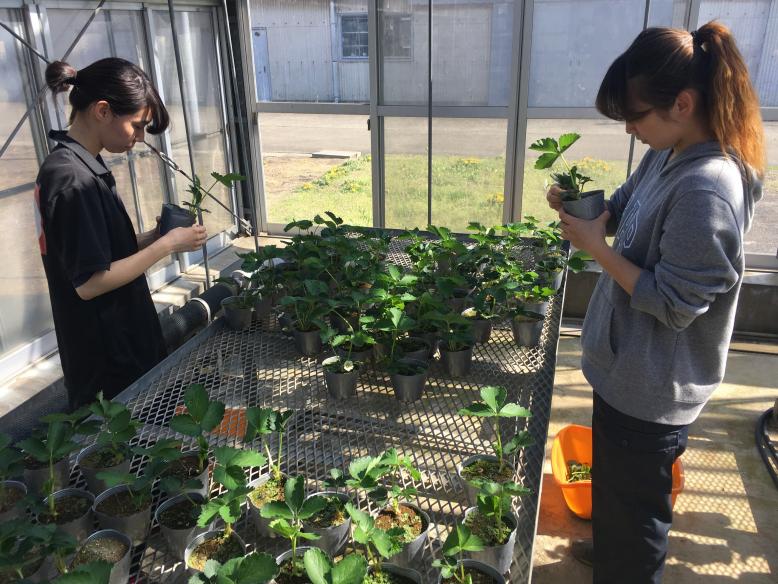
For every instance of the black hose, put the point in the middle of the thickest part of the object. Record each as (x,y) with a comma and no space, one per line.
(194,315)
(765,446)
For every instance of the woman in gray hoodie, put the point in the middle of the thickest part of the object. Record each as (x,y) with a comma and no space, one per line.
(659,323)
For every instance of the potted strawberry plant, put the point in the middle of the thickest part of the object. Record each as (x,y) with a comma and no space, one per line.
(46,468)
(110,452)
(493,522)
(341,376)
(308,312)
(173,216)
(408,378)
(126,505)
(584,205)
(105,546)
(177,519)
(455,568)
(320,569)
(32,552)
(264,422)
(456,348)
(526,325)
(223,545)
(286,518)
(493,407)
(332,524)
(202,416)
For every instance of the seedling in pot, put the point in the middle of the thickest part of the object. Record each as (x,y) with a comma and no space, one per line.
(570,180)
(202,417)
(254,568)
(393,470)
(378,543)
(395,323)
(459,541)
(495,407)
(10,466)
(494,503)
(229,472)
(454,329)
(336,364)
(287,520)
(351,569)
(56,444)
(263,422)
(138,493)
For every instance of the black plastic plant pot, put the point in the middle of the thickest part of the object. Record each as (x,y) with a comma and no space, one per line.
(537,307)
(135,525)
(459,302)
(432,339)
(95,485)
(35,478)
(526,331)
(482,330)
(173,216)
(457,363)
(342,385)
(553,279)
(203,537)
(238,317)
(422,353)
(381,351)
(395,570)
(178,537)
(497,556)
(476,566)
(262,307)
(79,527)
(409,388)
(344,325)
(471,491)
(590,206)
(412,554)
(308,343)
(120,571)
(333,539)
(17,509)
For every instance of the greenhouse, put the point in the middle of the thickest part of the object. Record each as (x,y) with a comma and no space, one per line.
(389,291)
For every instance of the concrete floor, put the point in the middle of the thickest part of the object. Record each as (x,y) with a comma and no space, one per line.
(726,520)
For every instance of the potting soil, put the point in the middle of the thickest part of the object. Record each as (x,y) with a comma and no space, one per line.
(386,578)
(106,549)
(103,458)
(182,515)
(68,509)
(221,549)
(488,469)
(184,468)
(487,531)
(331,516)
(121,504)
(272,490)
(286,575)
(407,520)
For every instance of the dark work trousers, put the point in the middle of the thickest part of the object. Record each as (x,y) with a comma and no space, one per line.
(632,479)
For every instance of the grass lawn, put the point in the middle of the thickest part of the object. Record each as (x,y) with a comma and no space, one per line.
(464,190)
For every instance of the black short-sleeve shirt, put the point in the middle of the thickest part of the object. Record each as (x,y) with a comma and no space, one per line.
(107,342)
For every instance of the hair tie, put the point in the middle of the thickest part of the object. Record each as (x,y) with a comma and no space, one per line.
(696,37)
(71,80)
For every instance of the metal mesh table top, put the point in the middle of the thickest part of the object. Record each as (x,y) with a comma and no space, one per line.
(261,367)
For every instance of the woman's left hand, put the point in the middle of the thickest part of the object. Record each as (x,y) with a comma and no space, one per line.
(584,235)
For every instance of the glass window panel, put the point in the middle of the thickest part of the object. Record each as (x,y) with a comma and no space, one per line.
(397,35)
(403,81)
(25,312)
(754,23)
(405,172)
(196,39)
(314,163)
(468,171)
(668,13)
(601,153)
(574,43)
(311,51)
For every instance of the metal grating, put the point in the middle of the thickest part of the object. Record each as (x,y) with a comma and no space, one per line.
(260,367)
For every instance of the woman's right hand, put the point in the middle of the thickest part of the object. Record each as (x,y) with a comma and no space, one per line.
(554,197)
(186,238)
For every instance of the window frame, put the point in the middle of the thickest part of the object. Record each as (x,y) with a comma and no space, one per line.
(341,46)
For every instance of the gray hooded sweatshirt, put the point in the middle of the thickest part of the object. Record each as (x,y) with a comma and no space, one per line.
(659,354)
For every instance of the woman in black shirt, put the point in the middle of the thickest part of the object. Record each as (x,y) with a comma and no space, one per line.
(107,327)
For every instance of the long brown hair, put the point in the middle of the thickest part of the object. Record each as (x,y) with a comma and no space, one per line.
(121,83)
(662,62)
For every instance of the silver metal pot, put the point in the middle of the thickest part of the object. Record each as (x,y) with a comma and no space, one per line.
(95,485)
(334,538)
(135,526)
(177,539)
(82,526)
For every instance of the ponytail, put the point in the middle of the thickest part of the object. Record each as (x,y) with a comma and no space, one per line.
(662,62)
(122,84)
(730,99)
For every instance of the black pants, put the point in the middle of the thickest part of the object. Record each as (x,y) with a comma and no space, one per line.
(632,479)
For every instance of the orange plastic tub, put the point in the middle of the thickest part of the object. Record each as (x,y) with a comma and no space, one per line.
(575,443)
